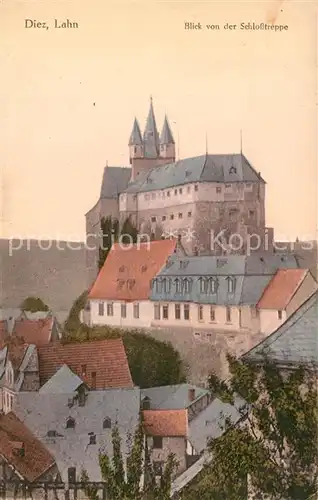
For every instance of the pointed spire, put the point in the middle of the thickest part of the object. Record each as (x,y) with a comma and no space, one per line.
(206,144)
(241,141)
(166,136)
(151,136)
(135,136)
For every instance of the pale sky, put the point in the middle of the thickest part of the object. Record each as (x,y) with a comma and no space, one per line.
(55,142)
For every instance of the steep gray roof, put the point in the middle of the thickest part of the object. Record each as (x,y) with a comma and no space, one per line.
(224,168)
(252,274)
(151,136)
(135,136)
(171,397)
(63,381)
(115,181)
(294,342)
(49,412)
(208,423)
(166,136)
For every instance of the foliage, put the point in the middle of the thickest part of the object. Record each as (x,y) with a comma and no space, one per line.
(133,477)
(111,232)
(73,322)
(276,448)
(151,362)
(34,304)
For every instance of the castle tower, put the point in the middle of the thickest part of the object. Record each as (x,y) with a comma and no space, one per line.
(135,142)
(167,144)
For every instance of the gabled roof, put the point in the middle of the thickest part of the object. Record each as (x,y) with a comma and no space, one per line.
(293,343)
(172,397)
(37,331)
(166,136)
(14,434)
(107,358)
(282,288)
(166,423)
(127,271)
(63,381)
(224,168)
(135,136)
(115,181)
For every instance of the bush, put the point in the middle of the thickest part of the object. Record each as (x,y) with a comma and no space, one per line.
(34,304)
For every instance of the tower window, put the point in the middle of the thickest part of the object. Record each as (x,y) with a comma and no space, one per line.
(153,219)
(189,214)
(218,190)
(175,191)
(180,215)
(107,423)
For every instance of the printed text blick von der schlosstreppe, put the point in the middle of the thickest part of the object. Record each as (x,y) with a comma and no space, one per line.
(249,26)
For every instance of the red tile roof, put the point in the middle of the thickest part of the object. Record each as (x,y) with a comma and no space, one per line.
(127,272)
(107,358)
(166,423)
(14,434)
(36,332)
(281,288)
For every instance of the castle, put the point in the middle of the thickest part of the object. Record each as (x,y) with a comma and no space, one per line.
(213,203)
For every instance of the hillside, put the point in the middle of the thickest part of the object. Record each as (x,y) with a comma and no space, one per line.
(56,275)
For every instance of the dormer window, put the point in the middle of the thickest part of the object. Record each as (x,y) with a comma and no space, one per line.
(177,285)
(70,423)
(212,285)
(203,284)
(232,170)
(231,284)
(187,285)
(51,434)
(107,423)
(146,403)
(167,285)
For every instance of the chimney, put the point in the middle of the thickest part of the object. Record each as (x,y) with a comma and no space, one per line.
(191,395)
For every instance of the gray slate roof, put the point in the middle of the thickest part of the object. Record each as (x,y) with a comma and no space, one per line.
(115,181)
(64,380)
(294,342)
(206,168)
(172,397)
(166,136)
(208,423)
(151,136)
(49,412)
(252,274)
(135,136)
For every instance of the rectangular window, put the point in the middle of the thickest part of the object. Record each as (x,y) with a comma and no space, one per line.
(157,311)
(93,386)
(189,189)
(171,216)
(83,370)
(196,187)
(110,309)
(180,215)
(157,442)
(165,311)
(200,313)
(177,311)
(280,314)
(228,315)
(123,310)
(136,310)
(175,192)
(168,193)
(71,473)
(228,186)
(186,311)
(251,213)
(101,309)
(153,219)
(163,217)
(219,190)
(212,313)
(180,191)
(189,214)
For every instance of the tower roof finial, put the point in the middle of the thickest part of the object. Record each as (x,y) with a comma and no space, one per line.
(206,143)
(241,135)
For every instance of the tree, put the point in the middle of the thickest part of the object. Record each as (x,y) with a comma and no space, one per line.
(276,448)
(132,478)
(73,323)
(34,304)
(111,231)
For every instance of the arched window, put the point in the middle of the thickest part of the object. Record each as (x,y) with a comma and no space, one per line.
(212,285)
(70,423)
(202,282)
(231,284)
(187,285)
(107,423)
(177,285)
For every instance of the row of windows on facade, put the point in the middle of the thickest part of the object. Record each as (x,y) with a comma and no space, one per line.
(123,307)
(163,312)
(180,191)
(232,212)
(184,285)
